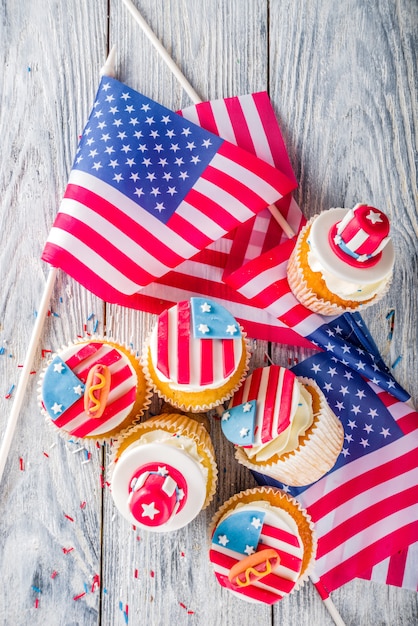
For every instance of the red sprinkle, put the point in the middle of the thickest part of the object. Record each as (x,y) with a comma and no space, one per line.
(152,573)
(136,573)
(54,574)
(68,517)
(36,603)
(21,464)
(183,606)
(80,595)
(45,352)
(96,582)
(83,505)
(67,550)
(46,454)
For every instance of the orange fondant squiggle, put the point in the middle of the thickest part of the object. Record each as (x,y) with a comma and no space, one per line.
(96,390)
(246,571)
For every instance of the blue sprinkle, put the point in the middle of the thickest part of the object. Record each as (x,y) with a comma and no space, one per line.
(36,589)
(1,350)
(96,323)
(396,361)
(90,317)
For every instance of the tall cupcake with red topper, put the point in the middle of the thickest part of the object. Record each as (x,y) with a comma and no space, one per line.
(343,260)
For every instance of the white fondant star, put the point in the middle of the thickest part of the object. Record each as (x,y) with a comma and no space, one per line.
(78,390)
(203,328)
(180,494)
(374,217)
(59,367)
(244,432)
(249,550)
(163,470)
(149,510)
(205,307)
(256,522)
(57,408)
(247,407)
(223,540)
(226,416)
(231,329)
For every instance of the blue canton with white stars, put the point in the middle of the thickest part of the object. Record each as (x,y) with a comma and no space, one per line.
(149,153)
(348,339)
(61,388)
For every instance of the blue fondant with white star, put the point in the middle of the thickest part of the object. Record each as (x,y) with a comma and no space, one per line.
(61,388)
(211,320)
(240,531)
(238,423)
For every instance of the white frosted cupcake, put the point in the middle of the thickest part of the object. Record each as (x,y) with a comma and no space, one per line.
(93,389)
(343,260)
(263,545)
(163,472)
(196,356)
(283,427)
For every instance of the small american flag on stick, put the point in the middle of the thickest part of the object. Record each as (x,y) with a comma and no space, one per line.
(149,189)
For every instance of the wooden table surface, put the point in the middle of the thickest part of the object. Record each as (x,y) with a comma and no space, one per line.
(342,77)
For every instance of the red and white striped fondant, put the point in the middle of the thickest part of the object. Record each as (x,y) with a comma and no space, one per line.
(278,532)
(183,359)
(80,358)
(276,391)
(361,234)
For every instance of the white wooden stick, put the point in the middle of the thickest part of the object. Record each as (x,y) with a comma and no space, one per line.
(27,366)
(190,91)
(107,70)
(325,597)
(162,51)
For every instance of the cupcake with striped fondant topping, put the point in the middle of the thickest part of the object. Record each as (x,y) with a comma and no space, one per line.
(262,545)
(196,356)
(283,427)
(93,389)
(343,260)
(163,472)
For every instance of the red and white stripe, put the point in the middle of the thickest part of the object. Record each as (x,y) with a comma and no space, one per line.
(366,511)
(122,394)
(186,360)
(273,388)
(399,570)
(274,586)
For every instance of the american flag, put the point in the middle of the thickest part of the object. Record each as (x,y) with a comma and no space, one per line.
(248,121)
(149,189)
(366,508)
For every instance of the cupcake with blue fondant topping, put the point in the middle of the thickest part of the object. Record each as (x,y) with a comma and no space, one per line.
(93,389)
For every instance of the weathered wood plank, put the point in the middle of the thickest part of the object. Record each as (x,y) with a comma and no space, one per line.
(50,58)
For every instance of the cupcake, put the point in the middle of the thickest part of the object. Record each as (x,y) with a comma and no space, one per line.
(196,356)
(262,545)
(283,427)
(163,472)
(93,389)
(343,260)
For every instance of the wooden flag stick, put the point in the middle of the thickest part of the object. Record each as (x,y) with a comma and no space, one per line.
(107,70)
(191,92)
(326,599)
(27,366)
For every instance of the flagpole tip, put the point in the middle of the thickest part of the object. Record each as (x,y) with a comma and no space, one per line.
(108,68)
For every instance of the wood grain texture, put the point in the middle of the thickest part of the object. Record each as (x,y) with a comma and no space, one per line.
(343,81)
